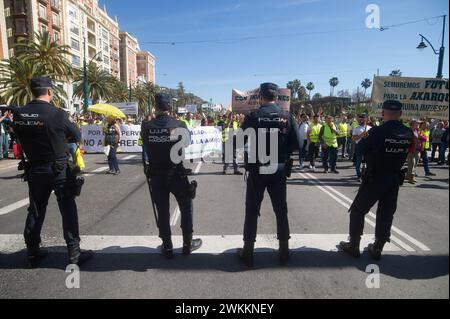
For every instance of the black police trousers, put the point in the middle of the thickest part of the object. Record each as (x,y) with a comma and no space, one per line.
(276,187)
(384,190)
(162,187)
(42,180)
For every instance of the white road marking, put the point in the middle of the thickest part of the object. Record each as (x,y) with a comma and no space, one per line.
(371,214)
(26,201)
(10,208)
(177,212)
(129,157)
(9,166)
(98,170)
(211,244)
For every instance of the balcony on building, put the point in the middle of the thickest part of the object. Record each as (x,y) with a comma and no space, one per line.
(91,26)
(55,5)
(18,9)
(92,40)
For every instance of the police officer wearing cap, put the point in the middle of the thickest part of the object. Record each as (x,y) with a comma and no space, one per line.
(44,132)
(268,117)
(160,136)
(385,149)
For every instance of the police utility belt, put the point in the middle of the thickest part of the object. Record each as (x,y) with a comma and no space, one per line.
(173,171)
(74,182)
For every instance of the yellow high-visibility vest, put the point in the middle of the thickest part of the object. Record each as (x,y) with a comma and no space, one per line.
(343,130)
(426,145)
(329,137)
(315,131)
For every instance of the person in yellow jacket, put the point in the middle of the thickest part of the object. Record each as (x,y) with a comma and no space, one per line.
(231,123)
(328,137)
(343,134)
(424,132)
(313,141)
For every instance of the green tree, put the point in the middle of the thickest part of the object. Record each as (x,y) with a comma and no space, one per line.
(334,81)
(16,74)
(294,86)
(310,87)
(317,96)
(101,84)
(49,55)
(366,84)
(41,56)
(120,92)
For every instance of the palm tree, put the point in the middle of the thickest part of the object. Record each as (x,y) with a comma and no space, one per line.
(120,92)
(366,84)
(396,73)
(317,96)
(334,81)
(16,74)
(310,87)
(49,55)
(101,84)
(294,86)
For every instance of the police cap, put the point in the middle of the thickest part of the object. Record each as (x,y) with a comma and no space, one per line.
(162,101)
(268,90)
(41,82)
(392,105)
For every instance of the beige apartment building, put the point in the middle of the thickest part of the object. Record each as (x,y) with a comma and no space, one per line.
(146,67)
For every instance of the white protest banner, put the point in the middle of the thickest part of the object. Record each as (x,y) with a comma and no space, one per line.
(94,138)
(246,101)
(128,108)
(204,141)
(191,108)
(421,97)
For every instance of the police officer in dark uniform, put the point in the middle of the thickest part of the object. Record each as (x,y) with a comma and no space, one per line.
(44,131)
(268,117)
(385,150)
(165,176)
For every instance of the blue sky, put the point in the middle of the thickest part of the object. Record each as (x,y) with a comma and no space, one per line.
(312,40)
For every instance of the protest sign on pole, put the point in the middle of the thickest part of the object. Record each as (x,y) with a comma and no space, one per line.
(204,141)
(246,101)
(421,97)
(128,108)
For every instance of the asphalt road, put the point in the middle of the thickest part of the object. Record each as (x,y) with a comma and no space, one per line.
(117,221)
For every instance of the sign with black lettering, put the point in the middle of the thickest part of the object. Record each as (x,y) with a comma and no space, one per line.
(421,97)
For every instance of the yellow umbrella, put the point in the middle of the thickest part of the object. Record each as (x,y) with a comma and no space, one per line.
(107,110)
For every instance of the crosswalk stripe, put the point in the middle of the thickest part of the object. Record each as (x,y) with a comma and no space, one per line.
(211,244)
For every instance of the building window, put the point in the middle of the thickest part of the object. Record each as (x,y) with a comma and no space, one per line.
(76,60)
(74,44)
(44,28)
(73,13)
(42,12)
(55,18)
(74,28)
(21,26)
(56,36)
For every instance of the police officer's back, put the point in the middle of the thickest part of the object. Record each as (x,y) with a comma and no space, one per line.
(44,131)
(166,176)
(385,150)
(271,175)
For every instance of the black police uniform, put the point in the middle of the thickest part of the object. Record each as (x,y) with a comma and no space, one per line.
(44,131)
(385,150)
(167,177)
(268,117)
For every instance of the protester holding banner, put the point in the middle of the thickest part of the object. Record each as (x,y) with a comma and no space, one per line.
(112,138)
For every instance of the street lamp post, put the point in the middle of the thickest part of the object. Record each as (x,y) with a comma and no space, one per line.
(85,76)
(440,52)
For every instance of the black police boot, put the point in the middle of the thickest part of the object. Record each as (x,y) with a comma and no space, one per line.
(352,247)
(167,249)
(284,252)
(376,249)
(35,254)
(246,253)
(79,257)
(190,245)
